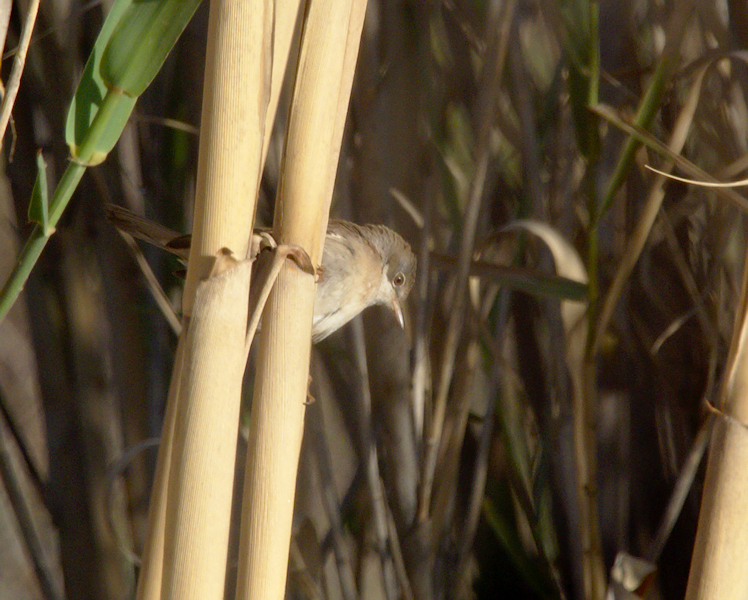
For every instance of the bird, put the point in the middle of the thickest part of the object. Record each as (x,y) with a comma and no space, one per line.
(362,266)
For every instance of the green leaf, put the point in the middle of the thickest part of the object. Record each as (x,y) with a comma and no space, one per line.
(517,278)
(39,204)
(141,41)
(580,22)
(88,99)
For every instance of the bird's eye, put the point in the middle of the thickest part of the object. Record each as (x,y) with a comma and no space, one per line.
(398,280)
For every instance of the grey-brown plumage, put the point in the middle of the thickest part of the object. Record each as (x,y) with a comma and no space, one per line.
(362,265)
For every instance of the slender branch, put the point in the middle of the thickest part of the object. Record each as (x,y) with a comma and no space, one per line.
(43,570)
(492,76)
(19,61)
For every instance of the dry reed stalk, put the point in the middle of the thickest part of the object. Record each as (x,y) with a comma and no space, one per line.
(200,467)
(721,548)
(329,48)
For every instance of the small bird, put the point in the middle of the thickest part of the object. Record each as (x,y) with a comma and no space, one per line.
(362,265)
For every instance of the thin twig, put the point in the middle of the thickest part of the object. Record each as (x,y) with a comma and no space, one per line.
(371,464)
(397,555)
(649,212)
(492,78)
(6,8)
(424,303)
(113,473)
(160,297)
(682,488)
(19,61)
(298,569)
(35,476)
(316,431)
(647,139)
(42,568)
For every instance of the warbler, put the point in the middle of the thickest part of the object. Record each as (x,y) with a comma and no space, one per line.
(362,265)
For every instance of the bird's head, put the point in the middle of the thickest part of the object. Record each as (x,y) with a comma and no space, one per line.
(398,268)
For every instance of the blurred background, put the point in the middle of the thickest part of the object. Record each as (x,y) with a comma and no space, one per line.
(442,460)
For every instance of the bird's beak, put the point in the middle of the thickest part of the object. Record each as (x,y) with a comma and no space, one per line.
(397,309)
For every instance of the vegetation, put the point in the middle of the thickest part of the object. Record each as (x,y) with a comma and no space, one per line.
(573,337)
